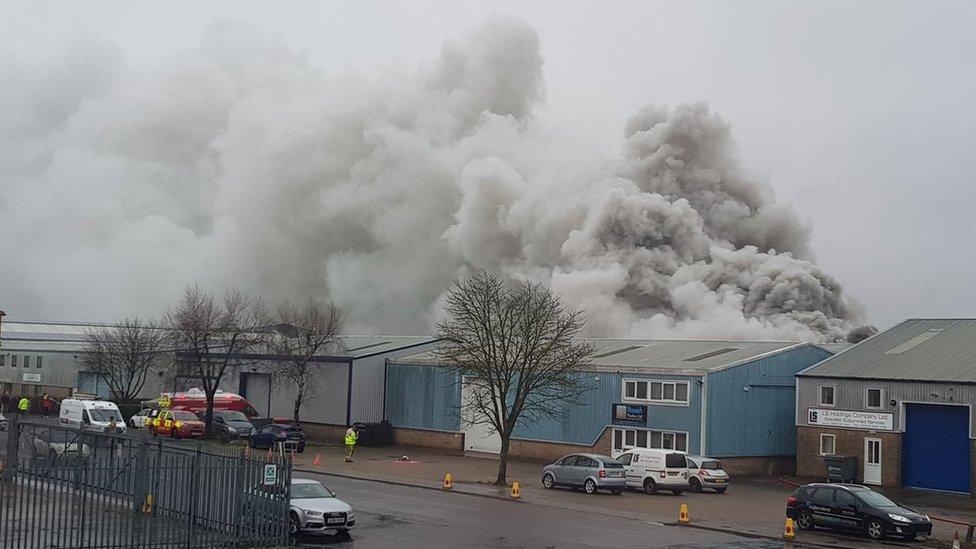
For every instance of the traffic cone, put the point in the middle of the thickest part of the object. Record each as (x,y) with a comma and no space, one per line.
(448,481)
(516,490)
(955,540)
(683,514)
(317,461)
(789,532)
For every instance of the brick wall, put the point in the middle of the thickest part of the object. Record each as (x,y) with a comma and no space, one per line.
(848,442)
(759,466)
(441,440)
(551,451)
(324,432)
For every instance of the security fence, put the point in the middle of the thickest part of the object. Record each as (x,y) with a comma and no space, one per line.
(68,487)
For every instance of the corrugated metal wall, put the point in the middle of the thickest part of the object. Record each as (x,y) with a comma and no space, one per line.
(423,397)
(751,406)
(849,395)
(368,381)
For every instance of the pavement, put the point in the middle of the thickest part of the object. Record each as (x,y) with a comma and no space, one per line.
(751,507)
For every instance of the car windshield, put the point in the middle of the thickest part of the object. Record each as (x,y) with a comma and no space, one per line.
(305,490)
(185,416)
(104,415)
(711,465)
(875,499)
(233,415)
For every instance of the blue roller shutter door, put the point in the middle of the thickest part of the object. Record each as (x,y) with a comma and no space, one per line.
(935,448)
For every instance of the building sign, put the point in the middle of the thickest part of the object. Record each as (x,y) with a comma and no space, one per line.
(629,414)
(270,474)
(32,378)
(850,419)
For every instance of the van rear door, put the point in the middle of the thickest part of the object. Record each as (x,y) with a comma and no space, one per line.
(676,467)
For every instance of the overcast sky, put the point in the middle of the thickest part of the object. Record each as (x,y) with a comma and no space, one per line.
(861,115)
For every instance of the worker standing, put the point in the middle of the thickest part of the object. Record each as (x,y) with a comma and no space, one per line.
(351,437)
(24,405)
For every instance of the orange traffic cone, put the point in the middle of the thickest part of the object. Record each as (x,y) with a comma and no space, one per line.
(955,540)
(789,532)
(317,461)
(448,481)
(683,514)
(516,490)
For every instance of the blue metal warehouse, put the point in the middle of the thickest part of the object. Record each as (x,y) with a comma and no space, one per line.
(728,399)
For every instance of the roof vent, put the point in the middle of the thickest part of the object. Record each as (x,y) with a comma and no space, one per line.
(913,342)
(617,351)
(368,346)
(710,354)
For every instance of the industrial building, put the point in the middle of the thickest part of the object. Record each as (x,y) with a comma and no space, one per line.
(728,399)
(900,402)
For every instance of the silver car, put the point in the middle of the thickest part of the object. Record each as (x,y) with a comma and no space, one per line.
(707,473)
(316,510)
(592,472)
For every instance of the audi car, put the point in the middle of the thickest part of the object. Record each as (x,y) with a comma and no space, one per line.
(316,510)
(854,508)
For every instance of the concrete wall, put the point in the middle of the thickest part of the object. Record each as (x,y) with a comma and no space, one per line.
(848,442)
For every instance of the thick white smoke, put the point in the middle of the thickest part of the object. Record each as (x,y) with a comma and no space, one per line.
(236,163)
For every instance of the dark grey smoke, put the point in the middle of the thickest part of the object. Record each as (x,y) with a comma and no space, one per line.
(235,163)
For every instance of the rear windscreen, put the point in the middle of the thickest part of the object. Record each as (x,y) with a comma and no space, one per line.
(675,460)
(614,465)
(711,465)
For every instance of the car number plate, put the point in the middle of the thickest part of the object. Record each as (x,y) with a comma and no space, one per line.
(338,520)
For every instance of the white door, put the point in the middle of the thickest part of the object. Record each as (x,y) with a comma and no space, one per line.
(872,461)
(479,435)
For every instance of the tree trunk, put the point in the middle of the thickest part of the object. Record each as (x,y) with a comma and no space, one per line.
(502,478)
(208,415)
(298,404)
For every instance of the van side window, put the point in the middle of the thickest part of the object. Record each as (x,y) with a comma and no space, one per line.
(625,458)
(675,460)
(84,417)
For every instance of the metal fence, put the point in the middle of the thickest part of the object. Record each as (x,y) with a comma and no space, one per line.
(66,487)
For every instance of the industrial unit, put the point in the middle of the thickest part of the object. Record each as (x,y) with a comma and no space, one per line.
(900,402)
(728,399)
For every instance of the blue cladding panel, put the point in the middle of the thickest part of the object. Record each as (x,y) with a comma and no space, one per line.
(759,421)
(423,397)
(584,424)
(935,448)
(93,384)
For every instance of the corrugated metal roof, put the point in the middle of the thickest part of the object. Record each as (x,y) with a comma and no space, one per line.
(693,357)
(917,349)
(359,346)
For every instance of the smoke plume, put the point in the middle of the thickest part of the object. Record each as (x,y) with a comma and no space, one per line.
(236,163)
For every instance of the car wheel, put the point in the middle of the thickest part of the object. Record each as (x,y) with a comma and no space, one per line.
(875,529)
(804,521)
(720,490)
(589,486)
(650,486)
(292,524)
(696,485)
(548,481)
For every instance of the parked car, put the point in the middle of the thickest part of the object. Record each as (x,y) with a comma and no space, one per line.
(236,423)
(139,420)
(705,472)
(56,443)
(177,424)
(292,436)
(854,508)
(652,470)
(316,510)
(588,471)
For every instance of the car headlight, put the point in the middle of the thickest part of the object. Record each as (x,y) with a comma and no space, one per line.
(898,518)
(350,515)
(232,430)
(313,513)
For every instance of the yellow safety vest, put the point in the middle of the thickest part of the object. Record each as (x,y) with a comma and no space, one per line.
(23,405)
(351,438)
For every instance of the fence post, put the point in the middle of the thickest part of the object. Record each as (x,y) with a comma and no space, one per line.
(11,461)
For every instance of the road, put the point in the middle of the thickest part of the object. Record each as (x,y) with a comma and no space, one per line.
(406,517)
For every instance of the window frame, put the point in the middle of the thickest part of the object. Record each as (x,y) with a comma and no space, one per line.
(833,444)
(38,362)
(648,384)
(674,435)
(833,395)
(867,398)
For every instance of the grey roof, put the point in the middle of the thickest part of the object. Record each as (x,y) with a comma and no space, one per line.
(674,356)
(361,346)
(917,349)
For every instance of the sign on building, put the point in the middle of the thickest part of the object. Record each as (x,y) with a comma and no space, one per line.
(629,414)
(270,474)
(850,419)
(32,378)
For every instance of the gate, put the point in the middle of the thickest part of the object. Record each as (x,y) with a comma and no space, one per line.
(68,487)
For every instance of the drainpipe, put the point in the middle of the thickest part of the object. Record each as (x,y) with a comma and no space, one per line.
(702,451)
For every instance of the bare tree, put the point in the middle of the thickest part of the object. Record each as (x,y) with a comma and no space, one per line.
(123,355)
(516,348)
(211,334)
(303,333)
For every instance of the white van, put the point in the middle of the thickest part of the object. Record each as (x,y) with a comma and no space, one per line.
(652,470)
(95,415)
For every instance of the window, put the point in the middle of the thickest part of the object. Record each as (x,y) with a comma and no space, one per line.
(625,458)
(13,361)
(872,398)
(3,360)
(37,361)
(823,497)
(827,444)
(675,460)
(826,395)
(664,392)
(26,361)
(845,499)
(624,439)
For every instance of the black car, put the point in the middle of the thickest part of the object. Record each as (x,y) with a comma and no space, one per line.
(855,509)
(291,436)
